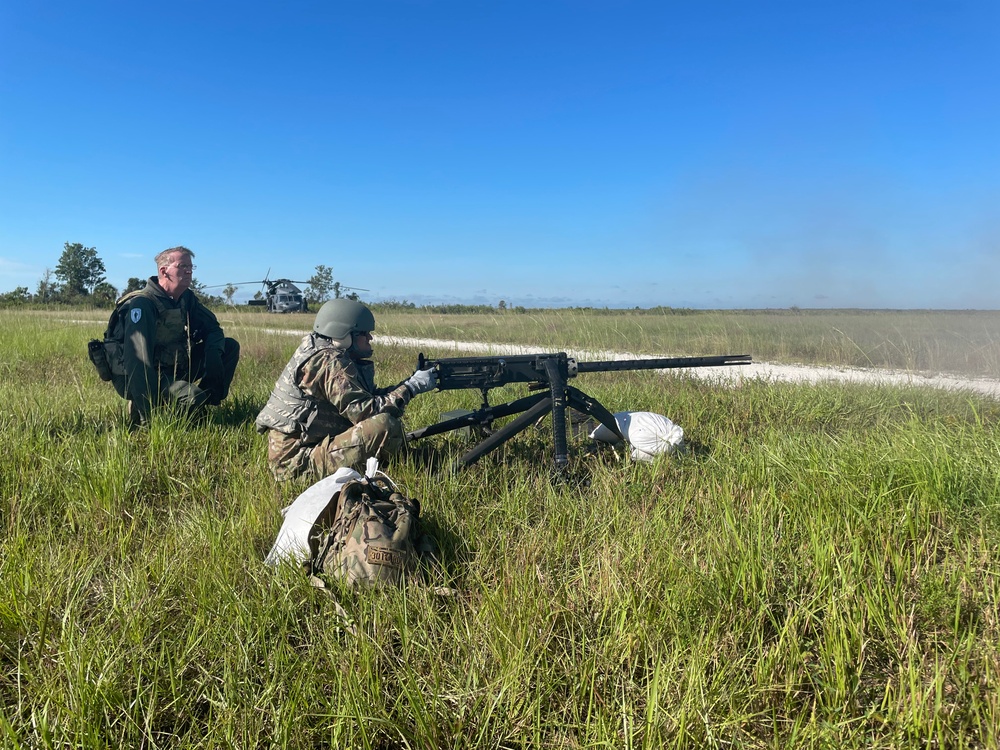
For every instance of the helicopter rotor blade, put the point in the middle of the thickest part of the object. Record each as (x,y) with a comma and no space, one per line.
(233,283)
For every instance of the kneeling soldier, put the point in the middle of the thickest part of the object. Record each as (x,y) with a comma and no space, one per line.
(325,411)
(163,346)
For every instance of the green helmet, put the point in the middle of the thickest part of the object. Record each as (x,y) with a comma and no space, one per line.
(339,318)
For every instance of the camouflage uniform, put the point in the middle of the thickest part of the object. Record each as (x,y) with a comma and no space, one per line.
(162,350)
(326,413)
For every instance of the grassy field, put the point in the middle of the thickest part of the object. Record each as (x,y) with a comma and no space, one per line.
(965,343)
(819,570)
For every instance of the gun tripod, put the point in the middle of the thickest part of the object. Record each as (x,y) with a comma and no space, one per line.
(554,400)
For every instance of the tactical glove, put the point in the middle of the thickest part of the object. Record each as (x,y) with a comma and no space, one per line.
(421,381)
(187,394)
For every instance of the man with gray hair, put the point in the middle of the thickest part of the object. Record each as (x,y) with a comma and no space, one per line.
(165,347)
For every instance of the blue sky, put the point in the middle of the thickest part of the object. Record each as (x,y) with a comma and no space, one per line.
(699,154)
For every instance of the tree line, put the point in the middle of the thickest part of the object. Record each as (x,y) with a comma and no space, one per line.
(79,279)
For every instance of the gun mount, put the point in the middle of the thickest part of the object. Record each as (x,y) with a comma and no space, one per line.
(547,373)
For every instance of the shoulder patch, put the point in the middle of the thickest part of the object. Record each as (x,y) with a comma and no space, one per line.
(135,314)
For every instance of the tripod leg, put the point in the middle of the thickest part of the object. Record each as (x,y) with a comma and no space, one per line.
(557,386)
(590,405)
(505,433)
(484,417)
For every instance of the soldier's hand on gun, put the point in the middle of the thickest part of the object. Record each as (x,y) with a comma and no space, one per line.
(421,381)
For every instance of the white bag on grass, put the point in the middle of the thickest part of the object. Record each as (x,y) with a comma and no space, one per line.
(649,434)
(293,538)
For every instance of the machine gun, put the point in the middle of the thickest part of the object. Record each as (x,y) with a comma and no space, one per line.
(547,373)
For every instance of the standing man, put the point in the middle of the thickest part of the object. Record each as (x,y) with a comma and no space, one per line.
(325,411)
(164,346)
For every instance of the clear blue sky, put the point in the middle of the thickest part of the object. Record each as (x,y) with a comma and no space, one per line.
(698,154)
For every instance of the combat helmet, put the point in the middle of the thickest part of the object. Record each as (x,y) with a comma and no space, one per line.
(339,318)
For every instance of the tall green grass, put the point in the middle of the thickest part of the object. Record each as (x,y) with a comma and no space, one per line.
(818,570)
(964,342)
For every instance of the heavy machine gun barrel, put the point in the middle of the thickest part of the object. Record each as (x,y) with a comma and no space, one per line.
(484,373)
(548,371)
(669,363)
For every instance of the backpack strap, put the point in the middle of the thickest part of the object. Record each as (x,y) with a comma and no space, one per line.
(116,313)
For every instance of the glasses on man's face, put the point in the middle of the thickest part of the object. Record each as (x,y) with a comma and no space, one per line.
(189,267)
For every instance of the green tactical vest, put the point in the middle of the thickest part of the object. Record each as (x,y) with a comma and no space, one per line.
(171,342)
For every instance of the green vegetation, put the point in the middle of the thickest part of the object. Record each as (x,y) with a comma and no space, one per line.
(820,570)
(80,283)
(963,342)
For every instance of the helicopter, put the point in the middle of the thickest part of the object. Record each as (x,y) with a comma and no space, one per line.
(283,296)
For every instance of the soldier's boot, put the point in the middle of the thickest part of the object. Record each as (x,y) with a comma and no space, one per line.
(134,417)
(200,415)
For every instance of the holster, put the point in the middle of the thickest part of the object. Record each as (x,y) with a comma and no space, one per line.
(99,357)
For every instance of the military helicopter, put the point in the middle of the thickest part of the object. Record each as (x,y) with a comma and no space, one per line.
(283,296)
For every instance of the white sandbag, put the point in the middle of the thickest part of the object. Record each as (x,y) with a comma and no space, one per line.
(293,537)
(649,434)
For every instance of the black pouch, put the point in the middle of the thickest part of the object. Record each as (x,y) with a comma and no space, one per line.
(95,350)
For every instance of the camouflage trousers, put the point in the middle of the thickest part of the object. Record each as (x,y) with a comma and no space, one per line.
(289,457)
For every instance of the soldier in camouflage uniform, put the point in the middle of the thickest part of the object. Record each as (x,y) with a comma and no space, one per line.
(325,411)
(164,346)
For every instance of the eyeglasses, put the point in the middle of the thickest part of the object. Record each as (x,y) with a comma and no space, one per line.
(184,266)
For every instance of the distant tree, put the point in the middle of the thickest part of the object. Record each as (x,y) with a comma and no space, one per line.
(104,295)
(208,299)
(134,284)
(47,290)
(18,296)
(394,304)
(320,285)
(336,290)
(80,269)
(501,305)
(228,291)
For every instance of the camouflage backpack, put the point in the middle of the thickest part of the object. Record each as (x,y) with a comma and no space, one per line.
(373,537)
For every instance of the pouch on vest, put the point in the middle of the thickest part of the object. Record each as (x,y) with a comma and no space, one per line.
(99,358)
(106,355)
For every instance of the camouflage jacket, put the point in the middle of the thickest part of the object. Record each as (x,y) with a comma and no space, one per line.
(323,391)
